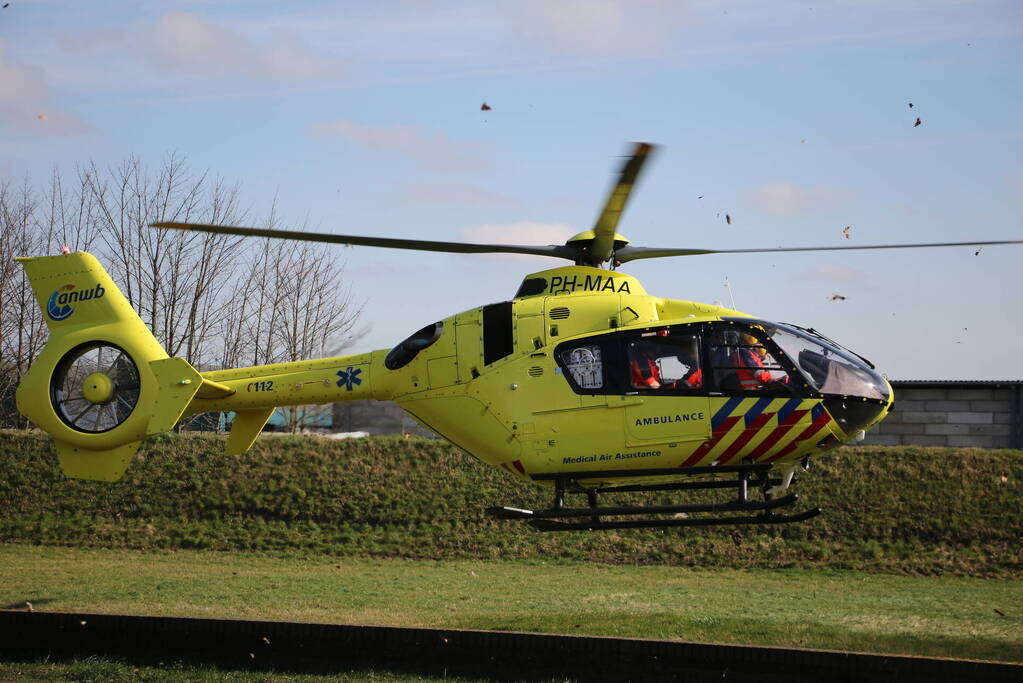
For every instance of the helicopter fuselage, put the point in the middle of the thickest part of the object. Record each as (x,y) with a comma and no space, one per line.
(548,382)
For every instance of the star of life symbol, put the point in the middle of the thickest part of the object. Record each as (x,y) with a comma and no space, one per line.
(349,377)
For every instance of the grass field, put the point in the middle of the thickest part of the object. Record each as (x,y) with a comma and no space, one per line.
(843,610)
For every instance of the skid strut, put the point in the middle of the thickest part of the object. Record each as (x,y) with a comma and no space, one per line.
(561,518)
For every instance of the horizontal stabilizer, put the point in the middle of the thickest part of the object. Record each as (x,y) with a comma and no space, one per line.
(211,389)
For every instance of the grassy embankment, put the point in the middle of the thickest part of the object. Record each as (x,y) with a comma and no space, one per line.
(907,510)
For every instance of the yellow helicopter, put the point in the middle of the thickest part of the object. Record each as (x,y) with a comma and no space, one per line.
(581,381)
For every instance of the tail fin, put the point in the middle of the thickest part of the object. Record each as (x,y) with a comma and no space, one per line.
(103,382)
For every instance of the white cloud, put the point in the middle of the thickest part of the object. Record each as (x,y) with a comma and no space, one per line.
(26,104)
(783,198)
(456,194)
(180,41)
(603,27)
(523,232)
(188,43)
(432,151)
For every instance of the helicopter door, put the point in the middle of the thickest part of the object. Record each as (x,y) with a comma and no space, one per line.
(667,400)
(664,419)
(468,344)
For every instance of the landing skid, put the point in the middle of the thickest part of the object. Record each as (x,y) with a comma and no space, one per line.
(560,518)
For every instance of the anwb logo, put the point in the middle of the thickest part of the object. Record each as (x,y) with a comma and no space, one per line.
(59,307)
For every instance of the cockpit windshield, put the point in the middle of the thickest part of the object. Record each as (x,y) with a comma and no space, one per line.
(827,368)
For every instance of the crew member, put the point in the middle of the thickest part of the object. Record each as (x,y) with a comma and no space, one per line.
(749,366)
(645,372)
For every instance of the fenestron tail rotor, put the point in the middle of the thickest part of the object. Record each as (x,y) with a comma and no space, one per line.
(595,247)
(95,387)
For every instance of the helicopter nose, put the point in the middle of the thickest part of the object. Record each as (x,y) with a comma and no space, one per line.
(854,414)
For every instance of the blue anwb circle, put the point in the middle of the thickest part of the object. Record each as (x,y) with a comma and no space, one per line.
(55,311)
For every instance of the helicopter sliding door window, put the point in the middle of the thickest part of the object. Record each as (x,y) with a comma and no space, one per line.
(665,361)
(625,362)
(741,362)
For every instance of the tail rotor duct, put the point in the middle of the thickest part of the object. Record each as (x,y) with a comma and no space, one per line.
(95,387)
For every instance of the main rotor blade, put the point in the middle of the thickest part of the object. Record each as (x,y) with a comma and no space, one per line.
(607,222)
(630,253)
(555,250)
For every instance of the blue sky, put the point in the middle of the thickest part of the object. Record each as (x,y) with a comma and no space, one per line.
(791,117)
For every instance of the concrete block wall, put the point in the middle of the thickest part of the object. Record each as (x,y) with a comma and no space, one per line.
(952,414)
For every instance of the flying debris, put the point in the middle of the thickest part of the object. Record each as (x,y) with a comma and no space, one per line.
(977,253)
(836,297)
(728,219)
(918,122)
(485,107)
(910,105)
(845,232)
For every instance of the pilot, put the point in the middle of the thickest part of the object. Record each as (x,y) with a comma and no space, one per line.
(749,365)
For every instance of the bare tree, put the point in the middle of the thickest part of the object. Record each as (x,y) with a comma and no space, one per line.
(296,306)
(22,331)
(175,280)
(184,285)
(316,314)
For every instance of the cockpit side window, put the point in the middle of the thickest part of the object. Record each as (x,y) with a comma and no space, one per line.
(741,361)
